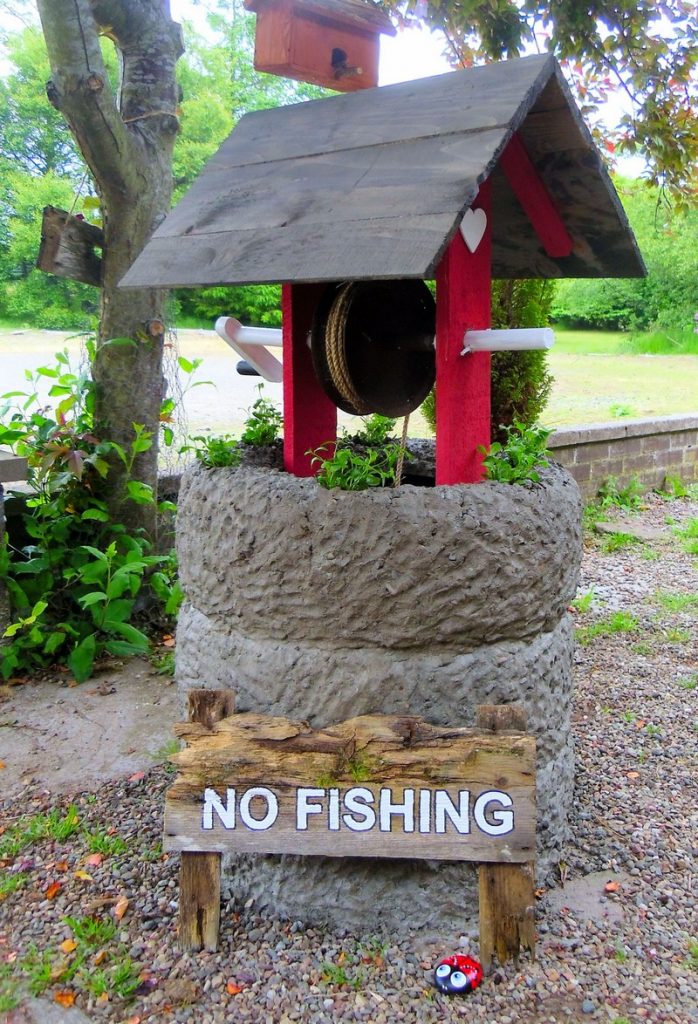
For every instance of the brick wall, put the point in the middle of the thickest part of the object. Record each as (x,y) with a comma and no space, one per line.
(650,450)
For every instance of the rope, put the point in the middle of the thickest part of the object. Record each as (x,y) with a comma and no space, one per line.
(150,113)
(336,349)
(403,452)
(77,194)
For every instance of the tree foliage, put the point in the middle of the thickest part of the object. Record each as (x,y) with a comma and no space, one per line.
(666,298)
(644,50)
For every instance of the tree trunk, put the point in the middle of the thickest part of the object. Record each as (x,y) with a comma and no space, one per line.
(127,141)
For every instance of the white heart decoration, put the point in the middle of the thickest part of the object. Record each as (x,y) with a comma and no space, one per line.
(473,227)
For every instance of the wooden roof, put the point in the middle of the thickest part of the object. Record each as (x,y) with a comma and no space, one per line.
(362,13)
(373,184)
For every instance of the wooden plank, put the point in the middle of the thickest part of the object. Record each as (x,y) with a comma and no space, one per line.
(463,382)
(507,912)
(12,467)
(375,786)
(368,250)
(478,99)
(535,198)
(310,417)
(506,891)
(364,15)
(200,873)
(68,247)
(324,192)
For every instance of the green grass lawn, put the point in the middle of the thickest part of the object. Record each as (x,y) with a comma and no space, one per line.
(597,381)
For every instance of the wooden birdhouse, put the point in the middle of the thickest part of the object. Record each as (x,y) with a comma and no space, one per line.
(355,202)
(333,43)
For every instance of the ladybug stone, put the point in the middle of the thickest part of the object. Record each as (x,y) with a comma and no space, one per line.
(456,975)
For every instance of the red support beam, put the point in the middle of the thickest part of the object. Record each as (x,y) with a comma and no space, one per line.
(463,282)
(310,417)
(535,199)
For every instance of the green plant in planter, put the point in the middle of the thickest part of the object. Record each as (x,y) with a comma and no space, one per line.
(356,469)
(375,430)
(215,452)
(520,457)
(263,423)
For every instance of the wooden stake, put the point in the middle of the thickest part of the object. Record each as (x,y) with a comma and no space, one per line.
(200,873)
(68,247)
(507,891)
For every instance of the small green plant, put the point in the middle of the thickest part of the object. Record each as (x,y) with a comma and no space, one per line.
(9,989)
(583,602)
(520,457)
(38,968)
(674,487)
(92,931)
(676,636)
(375,429)
(688,535)
(676,603)
(10,883)
(263,423)
(618,410)
(629,717)
(621,954)
(38,828)
(619,541)
(164,664)
(215,452)
(642,648)
(618,622)
(613,495)
(693,954)
(689,682)
(359,769)
(620,1020)
(350,469)
(100,841)
(340,976)
(653,730)
(649,554)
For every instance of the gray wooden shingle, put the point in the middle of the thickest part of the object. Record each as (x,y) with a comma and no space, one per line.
(373,184)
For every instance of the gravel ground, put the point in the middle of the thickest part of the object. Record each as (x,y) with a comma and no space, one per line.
(627,954)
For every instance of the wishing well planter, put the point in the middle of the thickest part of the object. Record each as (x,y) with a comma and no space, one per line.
(322,605)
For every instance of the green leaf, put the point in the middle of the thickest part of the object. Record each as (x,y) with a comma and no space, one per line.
(81,659)
(139,492)
(134,636)
(55,640)
(95,513)
(120,611)
(96,553)
(121,648)
(87,600)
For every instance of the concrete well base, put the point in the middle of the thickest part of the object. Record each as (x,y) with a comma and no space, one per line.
(424,600)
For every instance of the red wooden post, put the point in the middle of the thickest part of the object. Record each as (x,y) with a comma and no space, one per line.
(463,281)
(536,201)
(310,417)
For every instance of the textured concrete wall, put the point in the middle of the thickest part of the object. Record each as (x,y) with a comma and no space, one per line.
(648,449)
(323,605)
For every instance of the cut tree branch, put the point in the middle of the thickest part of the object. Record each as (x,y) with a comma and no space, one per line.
(80,89)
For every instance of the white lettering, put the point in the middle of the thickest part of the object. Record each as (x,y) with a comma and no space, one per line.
(212,802)
(272,812)
(503,820)
(445,808)
(405,810)
(355,801)
(333,811)
(303,808)
(425,810)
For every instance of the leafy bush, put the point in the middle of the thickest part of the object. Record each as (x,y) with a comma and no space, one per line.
(75,587)
(351,468)
(520,383)
(215,452)
(520,457)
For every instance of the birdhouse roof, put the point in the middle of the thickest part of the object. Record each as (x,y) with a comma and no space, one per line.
(362,14)
(374,184)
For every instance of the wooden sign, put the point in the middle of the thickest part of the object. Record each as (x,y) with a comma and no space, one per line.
(386,780)
(373,786)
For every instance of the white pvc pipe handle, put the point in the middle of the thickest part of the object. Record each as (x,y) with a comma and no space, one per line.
(515,339)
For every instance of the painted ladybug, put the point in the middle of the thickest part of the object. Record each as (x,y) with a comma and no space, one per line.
(456,975)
